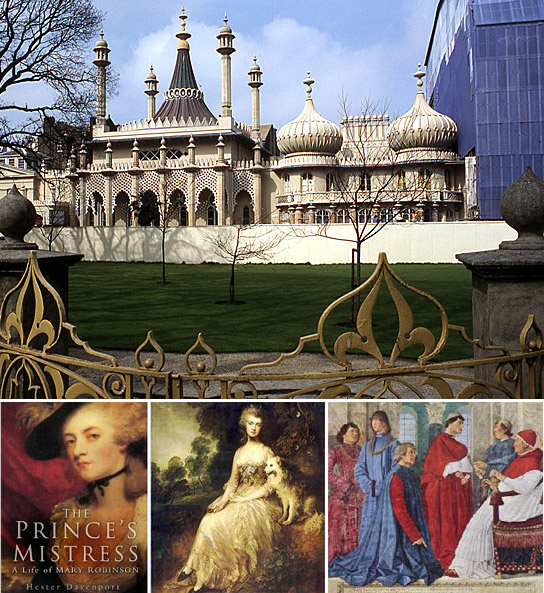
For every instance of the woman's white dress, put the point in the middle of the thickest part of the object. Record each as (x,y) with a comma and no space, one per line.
(235,542)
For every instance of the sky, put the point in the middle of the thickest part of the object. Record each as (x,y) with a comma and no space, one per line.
(363,50)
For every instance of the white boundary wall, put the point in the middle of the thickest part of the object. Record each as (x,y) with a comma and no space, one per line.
(402,242)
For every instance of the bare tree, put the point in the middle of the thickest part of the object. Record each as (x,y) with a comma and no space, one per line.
(370,187)
(241,243)
(58,211)
(162,213)
(45,43)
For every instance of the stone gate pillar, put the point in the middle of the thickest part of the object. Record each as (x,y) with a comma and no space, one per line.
(508,282)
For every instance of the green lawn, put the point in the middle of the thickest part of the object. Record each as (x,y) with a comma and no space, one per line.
(114,305)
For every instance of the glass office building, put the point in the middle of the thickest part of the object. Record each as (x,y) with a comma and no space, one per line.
(485,69)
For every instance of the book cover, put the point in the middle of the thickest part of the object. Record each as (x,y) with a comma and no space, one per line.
(238,497)
(74,502)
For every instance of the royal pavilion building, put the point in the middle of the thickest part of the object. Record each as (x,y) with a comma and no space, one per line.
(199,169)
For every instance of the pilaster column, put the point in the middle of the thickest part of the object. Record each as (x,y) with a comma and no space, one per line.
(311,214)
(257,183)
(191,198)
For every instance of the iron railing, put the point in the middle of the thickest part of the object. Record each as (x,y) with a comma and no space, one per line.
(35,361)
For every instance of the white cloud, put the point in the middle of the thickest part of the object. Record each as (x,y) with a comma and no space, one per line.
(285,50)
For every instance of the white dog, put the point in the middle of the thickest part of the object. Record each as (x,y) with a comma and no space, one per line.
(296,505)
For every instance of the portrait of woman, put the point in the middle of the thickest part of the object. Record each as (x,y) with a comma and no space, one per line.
(237,534)
(242,539)
(99,535)
(345,496)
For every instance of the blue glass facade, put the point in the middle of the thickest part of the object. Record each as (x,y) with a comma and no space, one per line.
(485,66)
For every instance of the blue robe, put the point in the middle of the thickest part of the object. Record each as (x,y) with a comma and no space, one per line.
(387,555)
(370,472)
(499,455)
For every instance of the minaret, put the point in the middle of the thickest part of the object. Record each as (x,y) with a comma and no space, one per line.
(225,49)
(255,83)
(101,62)
(151,90)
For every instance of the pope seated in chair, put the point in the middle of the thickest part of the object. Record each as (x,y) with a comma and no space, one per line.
(519,489)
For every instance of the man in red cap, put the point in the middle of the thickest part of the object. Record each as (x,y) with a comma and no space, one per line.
(519,489)
(447,489)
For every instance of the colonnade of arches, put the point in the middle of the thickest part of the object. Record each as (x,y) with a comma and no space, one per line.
(339,215)
(146,210)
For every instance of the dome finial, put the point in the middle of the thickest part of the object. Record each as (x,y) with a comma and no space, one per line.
(308,82)
(183,35)
(422,128)
(225,20)
(419,75)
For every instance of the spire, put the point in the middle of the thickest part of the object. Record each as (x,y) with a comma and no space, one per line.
(419,75)
(184,100)
(183,35)
(308,82)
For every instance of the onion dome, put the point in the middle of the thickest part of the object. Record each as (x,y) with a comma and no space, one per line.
(184,101)
(422,127)
(225,28)
(309,132)
(101,42)
(151,75)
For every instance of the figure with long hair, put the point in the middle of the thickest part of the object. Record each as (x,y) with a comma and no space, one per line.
(374,463)
(105,526)
(397,547)
(237,534)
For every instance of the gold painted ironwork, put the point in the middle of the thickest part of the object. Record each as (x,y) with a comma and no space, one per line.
(35,336)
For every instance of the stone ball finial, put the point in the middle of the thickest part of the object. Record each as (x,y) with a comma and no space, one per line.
(17,218)
(522,207)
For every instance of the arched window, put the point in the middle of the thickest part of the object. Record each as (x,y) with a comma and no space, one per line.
(183,217)
(387,214)
(365,214)
(147,210)
(447,179)
(212,213)
(121,212)
(343,216)
(409,214)
(424,179)
(99,212)
(322,217)
(401,179)
(365,182)
(307,183)
(286,184)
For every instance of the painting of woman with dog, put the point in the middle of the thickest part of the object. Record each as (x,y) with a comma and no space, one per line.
(268,516)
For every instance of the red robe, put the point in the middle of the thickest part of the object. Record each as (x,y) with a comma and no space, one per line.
(524,463)
(448,503)
(345,502)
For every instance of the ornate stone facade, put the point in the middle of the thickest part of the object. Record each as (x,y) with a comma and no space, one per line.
(200,169)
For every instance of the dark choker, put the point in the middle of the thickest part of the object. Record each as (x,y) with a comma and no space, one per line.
(101,484)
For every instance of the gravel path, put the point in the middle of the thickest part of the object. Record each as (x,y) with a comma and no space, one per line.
(304,363)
